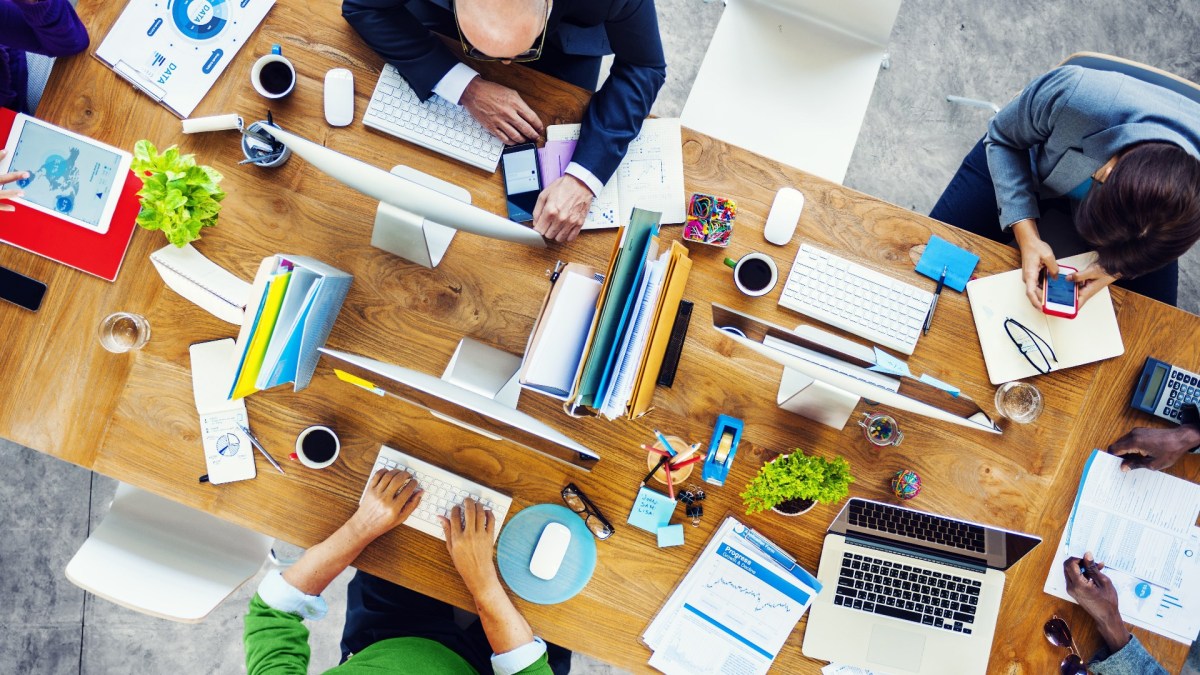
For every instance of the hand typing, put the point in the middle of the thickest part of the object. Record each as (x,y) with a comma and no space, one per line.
(501,111)
(390,499)
(469,541)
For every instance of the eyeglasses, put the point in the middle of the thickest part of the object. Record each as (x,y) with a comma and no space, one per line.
(579,503)
(1030,344)
(1059,634)
(531,54)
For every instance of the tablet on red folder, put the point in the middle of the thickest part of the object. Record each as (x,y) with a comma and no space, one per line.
(67,243)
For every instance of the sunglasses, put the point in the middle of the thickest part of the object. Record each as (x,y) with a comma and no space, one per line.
(1059,634)
(531,54)
(579,503)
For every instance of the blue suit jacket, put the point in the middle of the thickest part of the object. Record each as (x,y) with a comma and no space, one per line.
(1068,123)
(628,29)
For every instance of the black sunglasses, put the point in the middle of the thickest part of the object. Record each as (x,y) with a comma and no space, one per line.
(531,54)
(1059,634)
(579,503)
(1029,342)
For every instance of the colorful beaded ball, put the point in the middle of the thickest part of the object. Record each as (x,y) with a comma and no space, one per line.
(906,484)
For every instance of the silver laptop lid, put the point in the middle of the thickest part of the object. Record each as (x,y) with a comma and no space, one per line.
(931,536)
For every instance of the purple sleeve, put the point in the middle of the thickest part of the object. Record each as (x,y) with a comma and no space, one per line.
(48,27)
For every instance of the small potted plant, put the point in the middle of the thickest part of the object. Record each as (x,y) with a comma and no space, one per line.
(792,484)
(178,196)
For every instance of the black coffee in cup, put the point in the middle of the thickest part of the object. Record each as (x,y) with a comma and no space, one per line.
(754,274)
(275,77)
(319,445)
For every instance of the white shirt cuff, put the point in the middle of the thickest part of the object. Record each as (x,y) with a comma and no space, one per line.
(519,659)
(278,594)
(589,179)
(454,83)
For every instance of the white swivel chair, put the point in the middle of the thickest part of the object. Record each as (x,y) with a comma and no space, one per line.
(164,559)
(791,79)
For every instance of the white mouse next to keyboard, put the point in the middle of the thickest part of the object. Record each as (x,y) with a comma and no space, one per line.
(784,215)
(549,552)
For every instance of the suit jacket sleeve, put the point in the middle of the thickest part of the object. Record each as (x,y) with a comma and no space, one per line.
(614,116)
(400,38)
(1023,124)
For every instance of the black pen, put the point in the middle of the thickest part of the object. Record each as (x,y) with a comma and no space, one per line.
(936,294)
(658,466)
(558,267)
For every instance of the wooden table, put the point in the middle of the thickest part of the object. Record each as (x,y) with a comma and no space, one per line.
(132,416)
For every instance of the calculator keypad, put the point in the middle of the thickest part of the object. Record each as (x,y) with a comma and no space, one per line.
(1182,388)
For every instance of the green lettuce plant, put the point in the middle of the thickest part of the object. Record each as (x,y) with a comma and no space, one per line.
(798,477)
(178,196)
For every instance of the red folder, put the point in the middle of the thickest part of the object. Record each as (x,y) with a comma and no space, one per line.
(67,243)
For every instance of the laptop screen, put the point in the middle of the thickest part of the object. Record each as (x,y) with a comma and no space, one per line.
(932,535)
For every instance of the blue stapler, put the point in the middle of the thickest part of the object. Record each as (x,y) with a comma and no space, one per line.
(724,444)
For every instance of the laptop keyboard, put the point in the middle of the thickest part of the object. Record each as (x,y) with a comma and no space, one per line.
(933,529)
(907,592)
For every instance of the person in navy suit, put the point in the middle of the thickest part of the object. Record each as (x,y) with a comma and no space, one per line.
(563,38)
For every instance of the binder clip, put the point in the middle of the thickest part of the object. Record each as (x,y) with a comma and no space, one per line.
(726,435)
(691,498)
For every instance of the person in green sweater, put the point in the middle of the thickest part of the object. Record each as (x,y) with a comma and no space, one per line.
(390,629)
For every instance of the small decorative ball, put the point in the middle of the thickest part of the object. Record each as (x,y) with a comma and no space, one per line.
(906,484)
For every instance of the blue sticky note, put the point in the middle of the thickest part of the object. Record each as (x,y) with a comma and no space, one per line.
(954,391)
(671,535)
(651,510)
(889,365)
(959,263)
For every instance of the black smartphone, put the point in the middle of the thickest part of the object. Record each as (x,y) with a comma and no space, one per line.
(21,290)
(522,180)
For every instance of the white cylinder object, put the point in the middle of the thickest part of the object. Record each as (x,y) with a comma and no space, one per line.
(197,125)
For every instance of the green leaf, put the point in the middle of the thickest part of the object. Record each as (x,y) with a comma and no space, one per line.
(178,196)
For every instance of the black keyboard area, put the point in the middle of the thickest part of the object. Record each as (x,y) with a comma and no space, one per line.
(907,592)
(923,526)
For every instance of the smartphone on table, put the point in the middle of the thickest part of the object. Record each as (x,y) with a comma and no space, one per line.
(522,180)
(21,290)
(1060,295)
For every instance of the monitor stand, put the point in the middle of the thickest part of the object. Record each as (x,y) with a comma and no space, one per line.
(410,236)
(484,370)
(819,402)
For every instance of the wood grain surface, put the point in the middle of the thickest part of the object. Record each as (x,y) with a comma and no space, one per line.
(132,416)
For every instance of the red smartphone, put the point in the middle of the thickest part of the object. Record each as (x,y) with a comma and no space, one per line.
(1060,295)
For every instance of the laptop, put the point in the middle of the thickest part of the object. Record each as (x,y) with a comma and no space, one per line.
(909,592)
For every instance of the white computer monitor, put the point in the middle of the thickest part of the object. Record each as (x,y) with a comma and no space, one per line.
(466,408)
(437,214)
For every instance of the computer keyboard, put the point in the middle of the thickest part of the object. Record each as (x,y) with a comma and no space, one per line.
(856,299)
(923,526)
(909,592)
(436,124)
(443,491)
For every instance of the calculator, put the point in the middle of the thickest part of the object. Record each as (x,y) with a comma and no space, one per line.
(1164,390)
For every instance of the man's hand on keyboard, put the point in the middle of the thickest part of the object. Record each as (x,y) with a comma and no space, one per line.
(391,497)
(561,209)
(469,540)
(501,111)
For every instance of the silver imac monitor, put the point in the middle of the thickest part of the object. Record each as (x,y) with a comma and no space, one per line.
(462,406)
(418,214)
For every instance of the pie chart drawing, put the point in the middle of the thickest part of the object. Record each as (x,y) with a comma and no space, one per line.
(228,444)
(200,19)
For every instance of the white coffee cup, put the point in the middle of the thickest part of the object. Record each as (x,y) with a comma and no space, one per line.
(754,274)
(311,462)
(256,74)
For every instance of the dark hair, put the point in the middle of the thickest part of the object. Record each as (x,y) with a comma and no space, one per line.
(1147,213)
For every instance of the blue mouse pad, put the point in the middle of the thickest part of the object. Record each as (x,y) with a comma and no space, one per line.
(515,548)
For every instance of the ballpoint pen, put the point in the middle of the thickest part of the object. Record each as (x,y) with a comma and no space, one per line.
(936,294)
(254,441)
(663,439)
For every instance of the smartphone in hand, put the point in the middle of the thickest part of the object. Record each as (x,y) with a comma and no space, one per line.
(1060,295)
(522,180)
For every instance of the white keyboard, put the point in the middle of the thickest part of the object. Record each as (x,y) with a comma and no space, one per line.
(856,299)
(436,124)
(443,491)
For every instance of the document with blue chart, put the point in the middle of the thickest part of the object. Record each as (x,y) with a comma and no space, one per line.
(228,454)
(174,50)
(735,608)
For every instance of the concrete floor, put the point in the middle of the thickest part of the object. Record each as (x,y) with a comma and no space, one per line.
(910,145)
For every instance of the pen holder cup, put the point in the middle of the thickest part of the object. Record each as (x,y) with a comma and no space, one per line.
(677,476)
(259,152)
(881,430)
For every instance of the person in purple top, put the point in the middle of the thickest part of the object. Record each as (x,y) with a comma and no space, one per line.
(48,27)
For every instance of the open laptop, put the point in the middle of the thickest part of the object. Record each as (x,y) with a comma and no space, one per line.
(908,592)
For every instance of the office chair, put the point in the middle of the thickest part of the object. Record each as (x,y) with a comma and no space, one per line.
(155,556)
(1097,61)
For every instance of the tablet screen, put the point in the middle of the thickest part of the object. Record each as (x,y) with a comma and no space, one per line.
(67,176)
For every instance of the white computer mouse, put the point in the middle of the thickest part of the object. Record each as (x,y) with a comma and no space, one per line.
(339,97)
(549,552)
(784,215)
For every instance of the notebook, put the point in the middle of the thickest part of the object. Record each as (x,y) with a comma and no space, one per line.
(1093,335)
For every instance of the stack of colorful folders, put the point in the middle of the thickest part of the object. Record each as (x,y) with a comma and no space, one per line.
(294,302)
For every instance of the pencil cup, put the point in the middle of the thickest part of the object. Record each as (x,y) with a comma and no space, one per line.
(317,447)
(680,474)
(261,153)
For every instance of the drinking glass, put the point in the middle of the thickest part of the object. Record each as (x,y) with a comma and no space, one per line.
(124,331)
(1020,402)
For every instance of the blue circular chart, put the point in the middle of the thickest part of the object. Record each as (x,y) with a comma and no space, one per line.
(200,19)
(228,444)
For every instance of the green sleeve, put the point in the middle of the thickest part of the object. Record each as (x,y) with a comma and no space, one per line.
(276,642)
(539,667)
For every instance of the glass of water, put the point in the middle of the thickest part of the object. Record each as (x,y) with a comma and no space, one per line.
(124,331)
(1020,402)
